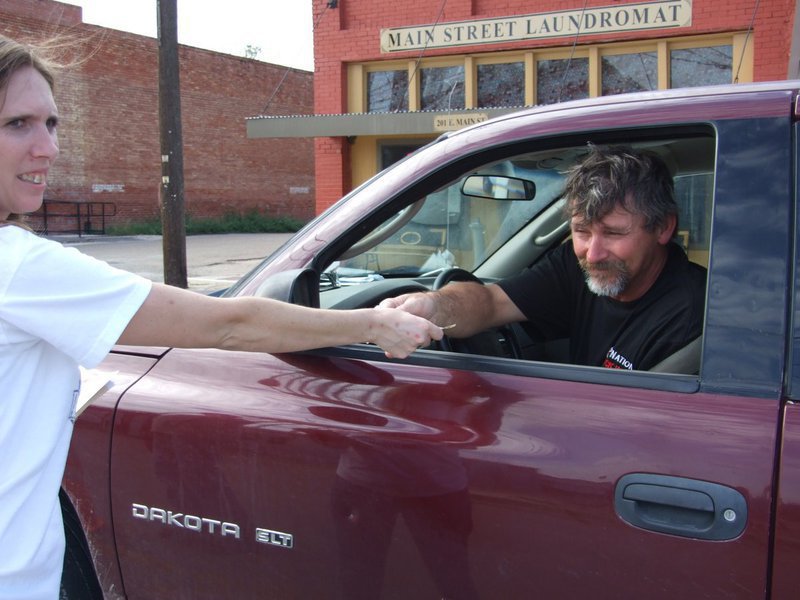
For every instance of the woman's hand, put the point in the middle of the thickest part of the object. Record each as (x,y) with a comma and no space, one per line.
(400,333)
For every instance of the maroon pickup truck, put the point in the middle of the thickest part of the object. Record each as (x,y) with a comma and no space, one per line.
(487,467)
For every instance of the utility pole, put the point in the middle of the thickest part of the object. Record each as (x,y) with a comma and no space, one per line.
(169,115)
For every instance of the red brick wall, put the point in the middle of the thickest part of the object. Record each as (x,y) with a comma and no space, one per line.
(109,133)
(351,34)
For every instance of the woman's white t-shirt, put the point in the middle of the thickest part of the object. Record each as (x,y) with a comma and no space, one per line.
(58,309)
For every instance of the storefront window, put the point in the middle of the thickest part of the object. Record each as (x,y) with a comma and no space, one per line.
(701,66)
(387,91)
(501,85)
(442,88)
(629,73)
(562,79)
(391,153)
(501,80)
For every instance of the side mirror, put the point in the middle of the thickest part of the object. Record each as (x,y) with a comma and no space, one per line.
(296,286)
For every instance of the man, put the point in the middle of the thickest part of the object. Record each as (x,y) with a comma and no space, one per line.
(623,293)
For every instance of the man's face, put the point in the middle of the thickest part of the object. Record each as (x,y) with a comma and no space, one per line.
(619,257)
(28,141)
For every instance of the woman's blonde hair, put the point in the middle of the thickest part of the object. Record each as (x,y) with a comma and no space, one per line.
(13,57)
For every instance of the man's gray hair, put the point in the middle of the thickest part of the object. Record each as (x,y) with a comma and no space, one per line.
(638,181)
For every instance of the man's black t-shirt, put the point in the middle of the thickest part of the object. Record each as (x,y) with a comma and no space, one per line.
(553,295)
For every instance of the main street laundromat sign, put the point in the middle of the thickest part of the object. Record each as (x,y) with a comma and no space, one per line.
(668,14)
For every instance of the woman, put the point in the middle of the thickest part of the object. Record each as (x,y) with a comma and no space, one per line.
(59,309)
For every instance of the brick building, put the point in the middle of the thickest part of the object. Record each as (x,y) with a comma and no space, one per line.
(109,132)
(391,76)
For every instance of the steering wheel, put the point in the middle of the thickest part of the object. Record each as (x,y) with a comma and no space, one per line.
(454,274)
(497,341)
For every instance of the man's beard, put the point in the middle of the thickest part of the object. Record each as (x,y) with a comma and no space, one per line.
(606,278)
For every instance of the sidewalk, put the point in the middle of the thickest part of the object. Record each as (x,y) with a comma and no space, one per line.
(213,261)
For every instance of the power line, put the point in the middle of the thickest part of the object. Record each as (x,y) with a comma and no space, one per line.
(328,4)
(746,38)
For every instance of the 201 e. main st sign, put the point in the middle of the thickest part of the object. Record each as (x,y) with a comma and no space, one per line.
(667,14)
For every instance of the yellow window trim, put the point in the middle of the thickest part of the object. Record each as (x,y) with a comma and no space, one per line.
(357,73)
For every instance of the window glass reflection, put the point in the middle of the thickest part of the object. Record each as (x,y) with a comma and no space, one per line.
(624,73)
(562,79)
(442,88)
(701,66)
(501,85)
(387,91)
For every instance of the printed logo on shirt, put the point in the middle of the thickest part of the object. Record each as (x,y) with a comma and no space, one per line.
(615,360)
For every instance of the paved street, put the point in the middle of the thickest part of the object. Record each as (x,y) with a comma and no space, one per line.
(213,261)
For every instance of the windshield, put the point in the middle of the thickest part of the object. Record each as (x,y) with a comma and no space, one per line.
(451,229)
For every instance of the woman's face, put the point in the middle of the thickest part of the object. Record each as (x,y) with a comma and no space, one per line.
(28,141)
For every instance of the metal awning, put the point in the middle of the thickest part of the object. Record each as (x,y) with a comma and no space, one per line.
(355,124)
